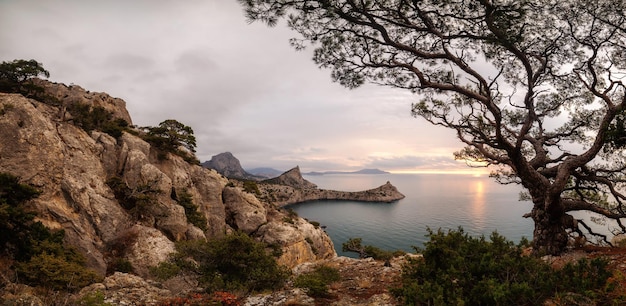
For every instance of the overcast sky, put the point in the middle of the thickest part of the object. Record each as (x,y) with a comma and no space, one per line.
(240,86)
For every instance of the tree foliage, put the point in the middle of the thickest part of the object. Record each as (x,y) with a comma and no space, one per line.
(40,256)
(235,262)
(316,282)
(354,245)
(15,74)
(457,269)
(171,134)
(532,88)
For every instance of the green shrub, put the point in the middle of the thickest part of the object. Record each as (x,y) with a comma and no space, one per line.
(251,187)
(91,118)
(165,270)
(95,298)
(316,282)
(184,199)
(233,263)
(120,265)
(354,245)
(140,202)
(56,272)
(457,269)
(40,257)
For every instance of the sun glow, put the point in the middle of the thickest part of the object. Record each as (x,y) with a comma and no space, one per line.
(473,171)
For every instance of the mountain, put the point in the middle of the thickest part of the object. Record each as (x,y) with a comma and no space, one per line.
(229,166)
(362,171)
(265,172)
(292,178)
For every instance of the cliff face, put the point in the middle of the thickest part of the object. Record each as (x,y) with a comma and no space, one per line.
(74,171)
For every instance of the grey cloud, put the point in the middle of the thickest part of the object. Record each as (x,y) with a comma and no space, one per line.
(240,86)
(129,61)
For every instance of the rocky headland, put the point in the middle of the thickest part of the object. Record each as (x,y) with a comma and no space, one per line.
(291,188)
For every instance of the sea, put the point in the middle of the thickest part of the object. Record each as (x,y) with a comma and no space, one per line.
(478,204)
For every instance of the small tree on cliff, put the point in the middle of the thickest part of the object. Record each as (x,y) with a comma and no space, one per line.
(533,88)
(170,136)
(14,76)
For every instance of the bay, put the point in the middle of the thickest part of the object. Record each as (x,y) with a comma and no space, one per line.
(477,204)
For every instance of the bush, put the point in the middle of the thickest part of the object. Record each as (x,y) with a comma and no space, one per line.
(141,201)
(354,245)
(92,299)
(316,283)
(96,118)
(184,199)
(251,187)
(40,257)
(120,265)
(56,272)
(460,270)
(233,263)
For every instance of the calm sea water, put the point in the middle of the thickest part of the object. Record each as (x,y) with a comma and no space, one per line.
(478,204)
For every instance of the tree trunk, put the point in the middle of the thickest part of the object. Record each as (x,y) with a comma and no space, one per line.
(550,235)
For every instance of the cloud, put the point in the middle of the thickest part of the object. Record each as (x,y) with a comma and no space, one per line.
(240,86)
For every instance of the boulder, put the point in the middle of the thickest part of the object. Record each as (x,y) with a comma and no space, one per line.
(244,211)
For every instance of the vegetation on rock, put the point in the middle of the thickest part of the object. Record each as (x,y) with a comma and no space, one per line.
(91,118)
(184,199)
(39,255)
(170,136)
(15,76)
(141,201)
(457,269)
(235,262)
(316,282)
(354,245)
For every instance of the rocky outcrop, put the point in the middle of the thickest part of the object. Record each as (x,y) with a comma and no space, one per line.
(291,188)
(362,282)
(292,178)
(126,289)
(229,166)
(76,172)
(67,95)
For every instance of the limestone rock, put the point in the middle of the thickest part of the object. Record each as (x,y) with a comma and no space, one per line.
(243,210)
(148,248)
(74,93)
(294,296)
(292,178)
(301,241)
(127,289)
(19,295)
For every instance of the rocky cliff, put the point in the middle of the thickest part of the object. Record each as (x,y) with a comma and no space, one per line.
(291,188)
(77,171)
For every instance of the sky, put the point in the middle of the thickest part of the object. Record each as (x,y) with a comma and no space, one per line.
(240,86)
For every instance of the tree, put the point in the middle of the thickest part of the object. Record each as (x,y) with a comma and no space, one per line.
(15,74)
(532,88)
(171,134)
